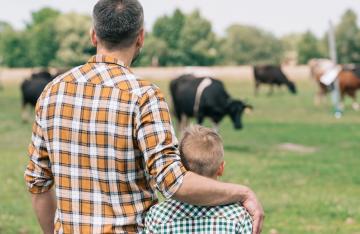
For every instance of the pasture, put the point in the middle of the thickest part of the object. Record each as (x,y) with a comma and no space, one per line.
(302,190)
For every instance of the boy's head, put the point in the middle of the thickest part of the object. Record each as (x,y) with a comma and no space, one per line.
(202,151)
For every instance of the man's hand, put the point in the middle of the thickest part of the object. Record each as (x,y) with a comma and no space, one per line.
(199,190)
(253,206)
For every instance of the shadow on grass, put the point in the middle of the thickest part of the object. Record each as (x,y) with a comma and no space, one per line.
(238,148)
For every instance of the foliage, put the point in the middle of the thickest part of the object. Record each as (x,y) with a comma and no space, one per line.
(52,38)
(308,47)
(72,32)
(348,38)
(13,48)
(154,51)
(41,36)
(250,45)
(197,41)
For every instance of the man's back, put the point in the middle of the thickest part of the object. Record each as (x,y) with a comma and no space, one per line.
(95,135)
(172,216)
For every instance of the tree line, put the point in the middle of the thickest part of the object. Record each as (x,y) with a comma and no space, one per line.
(52,38)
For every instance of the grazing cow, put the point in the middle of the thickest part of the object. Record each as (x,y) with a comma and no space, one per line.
(349,80)
(318,67)
(204,97)
(349,83)
(32,88)
(272,75)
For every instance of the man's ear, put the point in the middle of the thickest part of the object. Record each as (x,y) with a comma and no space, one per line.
(220,171)
(93,37)
(141,38)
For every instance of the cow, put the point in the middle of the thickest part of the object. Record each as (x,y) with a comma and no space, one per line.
(318,67)
(204,97)
(349,80)
(349,83)
(32,88)
(272,75)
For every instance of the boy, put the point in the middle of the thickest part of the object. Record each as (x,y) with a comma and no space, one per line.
(202,152)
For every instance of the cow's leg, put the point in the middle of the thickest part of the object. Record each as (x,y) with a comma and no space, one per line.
(342,98)
(355,105)
(257,86)
(317,98)
(320,96)
(24,113)
(200,119)
(215,126)
(184,122)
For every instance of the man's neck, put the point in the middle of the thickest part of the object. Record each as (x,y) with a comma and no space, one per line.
(126,56)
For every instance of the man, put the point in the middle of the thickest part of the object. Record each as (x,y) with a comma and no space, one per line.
(104,138)
(202,152)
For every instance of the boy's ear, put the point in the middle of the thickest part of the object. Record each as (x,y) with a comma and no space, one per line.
(220,171)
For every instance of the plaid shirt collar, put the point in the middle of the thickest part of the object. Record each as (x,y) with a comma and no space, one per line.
(100,58)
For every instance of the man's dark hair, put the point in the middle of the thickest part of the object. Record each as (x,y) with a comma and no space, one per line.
(117,23)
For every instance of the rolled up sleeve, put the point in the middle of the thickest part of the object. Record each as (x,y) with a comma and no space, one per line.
(158,143)
(38,175)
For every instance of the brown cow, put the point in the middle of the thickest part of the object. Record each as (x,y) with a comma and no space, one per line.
(349,83)
(349,80)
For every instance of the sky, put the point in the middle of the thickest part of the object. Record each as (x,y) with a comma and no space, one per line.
(277,16)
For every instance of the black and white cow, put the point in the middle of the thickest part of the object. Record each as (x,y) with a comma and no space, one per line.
(271,75)
(32,88)
(204,97)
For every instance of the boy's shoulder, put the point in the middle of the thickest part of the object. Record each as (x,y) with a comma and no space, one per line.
(171,209)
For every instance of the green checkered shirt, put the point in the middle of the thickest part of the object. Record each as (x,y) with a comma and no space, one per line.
(172,216)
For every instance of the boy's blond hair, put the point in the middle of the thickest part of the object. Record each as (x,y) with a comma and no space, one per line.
(201,150)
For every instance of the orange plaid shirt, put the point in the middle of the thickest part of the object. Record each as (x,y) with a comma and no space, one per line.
(105,140)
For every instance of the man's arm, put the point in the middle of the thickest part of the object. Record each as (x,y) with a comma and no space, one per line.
(44,205)
(39,178)
(199,190)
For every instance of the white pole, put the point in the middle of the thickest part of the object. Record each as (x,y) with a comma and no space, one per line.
(333,55)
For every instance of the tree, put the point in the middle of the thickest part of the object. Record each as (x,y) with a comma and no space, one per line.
(197,41)
(13,48)
(348,38)
(308,47)
(250,45)
(41,36)
(72,32)
(168,29)
(153,53)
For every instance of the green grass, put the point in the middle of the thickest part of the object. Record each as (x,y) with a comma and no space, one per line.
(301,193)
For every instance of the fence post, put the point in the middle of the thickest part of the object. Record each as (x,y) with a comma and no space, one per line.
(333,55)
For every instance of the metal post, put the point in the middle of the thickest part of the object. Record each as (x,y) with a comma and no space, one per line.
(333,55)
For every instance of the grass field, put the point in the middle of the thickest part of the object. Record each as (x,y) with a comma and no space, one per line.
(316,192)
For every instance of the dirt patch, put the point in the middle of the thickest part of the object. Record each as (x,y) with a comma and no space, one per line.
(297,148)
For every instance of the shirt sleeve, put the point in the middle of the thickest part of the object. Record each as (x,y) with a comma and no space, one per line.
(157,141)
(38,175)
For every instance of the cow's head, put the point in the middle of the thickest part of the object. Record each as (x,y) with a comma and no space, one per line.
(235,109)
(292,87)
